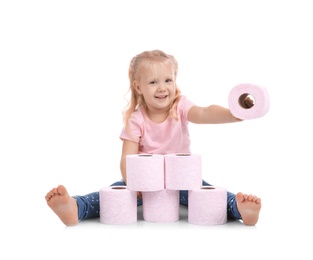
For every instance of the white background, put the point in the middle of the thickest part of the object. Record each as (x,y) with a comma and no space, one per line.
(63,76)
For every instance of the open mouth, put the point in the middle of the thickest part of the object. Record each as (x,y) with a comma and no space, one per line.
(161,97)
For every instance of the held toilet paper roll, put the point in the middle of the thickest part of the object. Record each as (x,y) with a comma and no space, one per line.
(207,206)
(183,171)
(160,206)
(258,94)
(145,172)
(118,205)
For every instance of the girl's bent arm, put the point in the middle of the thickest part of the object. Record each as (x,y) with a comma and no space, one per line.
(212,114)
(129,147)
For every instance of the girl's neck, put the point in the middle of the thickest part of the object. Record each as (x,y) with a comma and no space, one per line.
(157,116)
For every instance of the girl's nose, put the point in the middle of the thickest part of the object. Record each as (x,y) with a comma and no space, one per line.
(161,87)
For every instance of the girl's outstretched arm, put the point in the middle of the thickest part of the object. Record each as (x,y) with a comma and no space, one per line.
(129,147)
(212,114)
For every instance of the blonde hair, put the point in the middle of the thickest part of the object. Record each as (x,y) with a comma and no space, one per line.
(146,58)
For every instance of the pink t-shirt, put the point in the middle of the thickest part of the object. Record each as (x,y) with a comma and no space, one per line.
(170,136)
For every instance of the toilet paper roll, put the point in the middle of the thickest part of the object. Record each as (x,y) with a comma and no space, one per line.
(183,171)
(145,172)
(207,206)
(118,205)
(160,206)
(258,94)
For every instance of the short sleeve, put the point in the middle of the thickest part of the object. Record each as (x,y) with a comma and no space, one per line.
(183,107)
(133,129)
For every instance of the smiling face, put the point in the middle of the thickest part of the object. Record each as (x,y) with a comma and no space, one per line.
(157,85)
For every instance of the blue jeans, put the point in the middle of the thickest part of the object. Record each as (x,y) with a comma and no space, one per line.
(89,206)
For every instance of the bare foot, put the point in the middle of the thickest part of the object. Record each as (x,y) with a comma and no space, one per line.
(249,207)
(64,206)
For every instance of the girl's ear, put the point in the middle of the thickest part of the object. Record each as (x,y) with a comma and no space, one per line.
(137,87)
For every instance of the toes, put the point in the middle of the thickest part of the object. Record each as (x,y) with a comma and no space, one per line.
(61,190)
(51,193)
(247,197)
(254,198)
(240,197)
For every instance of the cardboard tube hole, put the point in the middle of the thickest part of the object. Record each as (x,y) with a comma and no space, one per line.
(243,101)
(207,188)
(183,154)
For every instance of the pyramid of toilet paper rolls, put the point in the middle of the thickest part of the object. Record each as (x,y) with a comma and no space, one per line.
(159,178)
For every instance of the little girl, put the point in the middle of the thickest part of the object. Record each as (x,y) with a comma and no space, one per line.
(156,122)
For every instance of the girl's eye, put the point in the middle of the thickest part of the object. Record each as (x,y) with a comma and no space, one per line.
(152,82)
(168,80)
